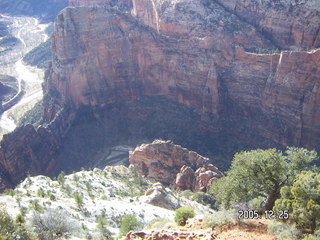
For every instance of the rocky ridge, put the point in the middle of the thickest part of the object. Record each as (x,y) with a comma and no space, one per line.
(168,163)
(111,193)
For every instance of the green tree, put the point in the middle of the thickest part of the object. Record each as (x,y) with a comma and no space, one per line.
(61,178)
(302,199)
(128,223)
(261,174)
(103,227)
(11,230)
(183,214)
(6,225)
(78,197)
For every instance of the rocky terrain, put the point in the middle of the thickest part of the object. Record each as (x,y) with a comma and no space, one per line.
(193,71)
(91,203)
(112,193)
(174,165)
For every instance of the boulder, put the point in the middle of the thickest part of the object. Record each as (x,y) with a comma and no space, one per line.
(160,196)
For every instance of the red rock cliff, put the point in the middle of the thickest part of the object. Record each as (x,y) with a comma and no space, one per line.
(200,57)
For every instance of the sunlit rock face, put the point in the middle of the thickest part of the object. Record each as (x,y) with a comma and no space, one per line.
(206,58)
(289,24)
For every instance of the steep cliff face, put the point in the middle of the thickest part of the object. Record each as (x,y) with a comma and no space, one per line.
(114,57)
(290,24)
(29,151)
(207,58)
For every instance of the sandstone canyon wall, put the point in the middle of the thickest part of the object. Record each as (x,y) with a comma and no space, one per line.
(252,65)
(205,58)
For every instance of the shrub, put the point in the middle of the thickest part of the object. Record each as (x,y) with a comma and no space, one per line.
(303,200)
(283,231)
(60,178)
(103,227)
(261,173)
(41,193)
(36,205)
(219,218)
(9,192)
(52,197)
(52,224)
(6,224)
(78,197)
(183,214)
(159,223)
(10,230)
(128,223)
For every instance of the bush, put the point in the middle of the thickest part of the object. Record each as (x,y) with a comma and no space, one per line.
(159,223)
(9,192)
(102,227)
(261,173)
(61,178)
(78,197)
(219,218)
(52,224)
(36,205)
(183,214)
(303,200)
(128,223)
(10,230)
(283,231)
(6,224)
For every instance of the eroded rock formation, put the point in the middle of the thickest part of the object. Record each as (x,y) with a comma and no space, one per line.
(199,180)
(160,196)
(162,160)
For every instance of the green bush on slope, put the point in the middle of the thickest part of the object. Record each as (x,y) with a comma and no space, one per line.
(183,214)
(128,223)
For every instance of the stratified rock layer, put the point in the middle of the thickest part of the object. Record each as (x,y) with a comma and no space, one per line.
(199,58)
(162,160)
(124,5)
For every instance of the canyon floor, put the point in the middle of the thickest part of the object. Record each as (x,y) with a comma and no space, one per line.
(29,34)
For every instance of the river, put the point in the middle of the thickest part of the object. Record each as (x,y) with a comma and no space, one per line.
(30,33)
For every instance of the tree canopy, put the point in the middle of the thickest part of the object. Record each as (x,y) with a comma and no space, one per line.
(302,199)
(260,174)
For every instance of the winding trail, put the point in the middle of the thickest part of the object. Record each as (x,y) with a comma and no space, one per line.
(28,28)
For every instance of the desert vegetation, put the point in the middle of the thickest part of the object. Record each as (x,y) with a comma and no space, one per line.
(277,185)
